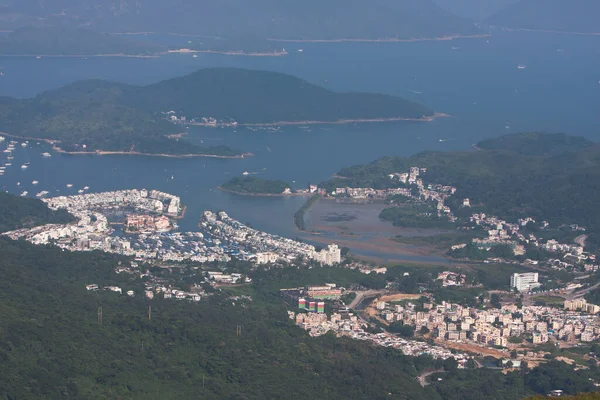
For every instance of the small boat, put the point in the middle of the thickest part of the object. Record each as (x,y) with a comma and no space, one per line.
(86,187)
(24,193)
(195,56)
(9,157)
(6,150)
(42,193)
(245,173)
(34,182)
(522,66)
(23,166)
(7,164)
(80,191)
(2,139)
(300,50)
(46,154)
(69,185)
(24,144)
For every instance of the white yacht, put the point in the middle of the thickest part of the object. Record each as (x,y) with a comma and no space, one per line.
(23,166)
(69,185)
(46,154)
(24,193)
(34,182)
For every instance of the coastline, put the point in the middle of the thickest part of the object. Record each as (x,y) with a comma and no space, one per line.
(57,149)
(429,118)
(231,53)
(551,31)
(383,40)
(424,39)
(262,194)
(136,153)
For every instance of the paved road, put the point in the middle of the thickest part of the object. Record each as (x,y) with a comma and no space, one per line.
(360,296)
(580,240)
(423,377)
(582,292)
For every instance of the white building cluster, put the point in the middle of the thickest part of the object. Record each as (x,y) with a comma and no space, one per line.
(318,324)
(493,327)
(262,246)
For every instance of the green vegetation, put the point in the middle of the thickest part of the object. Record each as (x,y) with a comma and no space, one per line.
(53,346)
(507,182)
(536,143)
(252,185)
(415,215)
(484,384)
(249,96)
(442,241)
(299,215)
(548,300)
(68,41)
(19,212)
(98,115)
(593,296)
(582,396)
(398,327)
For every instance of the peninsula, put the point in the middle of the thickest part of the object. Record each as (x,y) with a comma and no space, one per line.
(546,177)
(101,117)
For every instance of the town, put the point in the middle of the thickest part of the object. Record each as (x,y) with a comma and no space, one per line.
(148,238)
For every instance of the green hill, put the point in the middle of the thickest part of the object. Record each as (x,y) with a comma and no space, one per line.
(17,212)
(262,19)
(98,115)
(536,143)
(553,15)
(511,176)
(249,96)
(69,41)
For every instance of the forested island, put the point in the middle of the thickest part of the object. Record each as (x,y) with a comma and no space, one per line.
(189,349)
(61,41)
(545,176)
(98,116)
(250,185)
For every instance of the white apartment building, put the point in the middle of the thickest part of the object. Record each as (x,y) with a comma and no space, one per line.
(329,256)
(525,281)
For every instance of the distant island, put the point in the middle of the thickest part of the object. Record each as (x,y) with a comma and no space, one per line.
(258,21)
(60,41)
(101,117)
(250,185)
(568,16)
